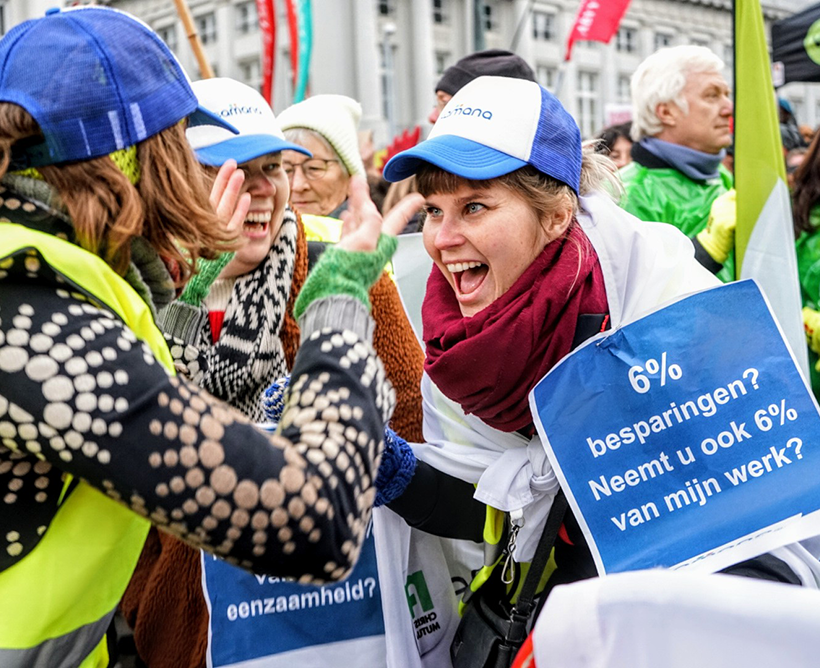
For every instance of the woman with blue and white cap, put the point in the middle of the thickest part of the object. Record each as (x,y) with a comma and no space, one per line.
(233,329)
(531,257)
(100,196)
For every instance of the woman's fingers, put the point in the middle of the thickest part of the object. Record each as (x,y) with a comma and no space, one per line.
(221,181)
(401,214)
(226,196)
(348,224)
(362,221)
(239,214)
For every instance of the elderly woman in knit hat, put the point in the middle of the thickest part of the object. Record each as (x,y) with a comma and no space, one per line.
(233,328)
(327,126)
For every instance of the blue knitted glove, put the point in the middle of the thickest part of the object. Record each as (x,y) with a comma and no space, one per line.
(273,401)
(396,470)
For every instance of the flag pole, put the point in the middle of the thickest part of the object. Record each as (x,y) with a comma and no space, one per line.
(205,69)
(519,29)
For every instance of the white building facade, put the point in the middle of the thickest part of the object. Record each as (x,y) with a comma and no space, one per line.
(388,54)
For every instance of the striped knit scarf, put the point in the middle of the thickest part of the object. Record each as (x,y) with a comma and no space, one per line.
(249,355)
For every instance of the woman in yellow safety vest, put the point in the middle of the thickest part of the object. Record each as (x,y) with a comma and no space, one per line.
(102,214)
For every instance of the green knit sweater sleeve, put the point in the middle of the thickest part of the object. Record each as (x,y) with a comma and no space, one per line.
(207,271)
(345,272)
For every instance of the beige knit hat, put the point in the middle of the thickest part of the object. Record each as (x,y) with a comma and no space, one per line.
(336,118)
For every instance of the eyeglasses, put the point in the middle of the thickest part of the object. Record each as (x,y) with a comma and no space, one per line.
(313,169)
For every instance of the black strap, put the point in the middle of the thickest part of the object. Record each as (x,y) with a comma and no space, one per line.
(526,596)
(516,632)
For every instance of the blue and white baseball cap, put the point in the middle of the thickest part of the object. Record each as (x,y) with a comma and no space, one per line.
(245,109)
(96,80)
(493,126)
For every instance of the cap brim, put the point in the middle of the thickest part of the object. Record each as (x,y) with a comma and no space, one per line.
(457,155)
(201,116)
(244,149)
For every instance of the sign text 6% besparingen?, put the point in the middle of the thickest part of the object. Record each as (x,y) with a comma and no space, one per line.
(641,383)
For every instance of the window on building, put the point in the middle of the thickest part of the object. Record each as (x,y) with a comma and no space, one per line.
(490,16)
(441,62)
(250,72)
(386,7)
(387,73)
(168,34)
(441,12)
(662,39)
(546,76)
(623,92)
(588,105)
(626,40)
(700,42)
(543,26)
(2,18)
(206,26)
(247,20)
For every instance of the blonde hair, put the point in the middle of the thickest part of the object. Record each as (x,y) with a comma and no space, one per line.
(169,206)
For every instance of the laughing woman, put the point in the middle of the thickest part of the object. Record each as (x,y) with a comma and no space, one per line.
(531,257)
(234,332)
(100,439)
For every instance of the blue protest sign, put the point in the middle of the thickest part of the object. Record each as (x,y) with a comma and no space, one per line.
(267,621)
(687,438)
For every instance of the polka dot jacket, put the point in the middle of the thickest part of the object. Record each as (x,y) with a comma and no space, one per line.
(80,395)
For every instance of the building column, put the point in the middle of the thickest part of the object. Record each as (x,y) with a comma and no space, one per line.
(469,26)
(422,48)
(225,34)
(366,61)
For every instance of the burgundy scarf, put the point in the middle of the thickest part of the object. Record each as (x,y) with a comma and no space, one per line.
(488,363)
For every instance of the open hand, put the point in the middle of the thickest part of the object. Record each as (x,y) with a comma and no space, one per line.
(231,206)
(362,222)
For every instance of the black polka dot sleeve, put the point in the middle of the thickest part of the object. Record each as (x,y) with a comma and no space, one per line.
(80,394)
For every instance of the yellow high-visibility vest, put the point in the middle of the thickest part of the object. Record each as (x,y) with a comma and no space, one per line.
(58,600)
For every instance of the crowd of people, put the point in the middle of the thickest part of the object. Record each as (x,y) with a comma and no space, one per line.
(203,351)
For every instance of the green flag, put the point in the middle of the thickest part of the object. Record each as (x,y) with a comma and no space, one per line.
(764,239)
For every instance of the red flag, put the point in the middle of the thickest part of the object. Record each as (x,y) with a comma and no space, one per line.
(293,30)
(407,139)
(597,21)
(267,24)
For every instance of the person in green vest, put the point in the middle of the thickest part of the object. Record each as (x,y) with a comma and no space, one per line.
(103,214)
(681,113)
(806,210)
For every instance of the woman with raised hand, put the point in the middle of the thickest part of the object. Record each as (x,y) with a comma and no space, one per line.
(233,329)
(101,195)
(531,258)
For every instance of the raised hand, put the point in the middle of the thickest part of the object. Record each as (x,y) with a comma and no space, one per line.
(362,222)
(230,206)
